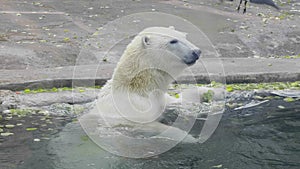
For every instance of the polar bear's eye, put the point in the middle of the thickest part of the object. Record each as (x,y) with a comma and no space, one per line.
(173,41)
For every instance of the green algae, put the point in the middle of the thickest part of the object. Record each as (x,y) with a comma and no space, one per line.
(54,89)
(31,129)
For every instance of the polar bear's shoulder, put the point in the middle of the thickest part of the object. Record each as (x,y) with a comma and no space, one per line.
(106,89)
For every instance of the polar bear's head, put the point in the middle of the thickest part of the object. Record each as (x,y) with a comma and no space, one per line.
(169,40)
(154,58)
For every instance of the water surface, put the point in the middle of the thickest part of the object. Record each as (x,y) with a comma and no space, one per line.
(264,136)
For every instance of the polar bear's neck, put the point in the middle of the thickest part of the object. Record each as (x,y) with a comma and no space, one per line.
(143,82)
(131,75)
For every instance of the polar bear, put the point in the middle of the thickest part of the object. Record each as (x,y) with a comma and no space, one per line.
(136,94)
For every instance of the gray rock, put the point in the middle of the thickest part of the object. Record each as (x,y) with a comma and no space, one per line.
(8,100)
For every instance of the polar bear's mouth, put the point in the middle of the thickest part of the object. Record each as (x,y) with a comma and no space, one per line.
(190,63)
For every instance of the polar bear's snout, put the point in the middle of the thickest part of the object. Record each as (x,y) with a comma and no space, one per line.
(196,53)
(192,57)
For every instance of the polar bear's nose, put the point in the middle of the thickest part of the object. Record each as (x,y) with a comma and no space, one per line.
(192,56)
(196,53)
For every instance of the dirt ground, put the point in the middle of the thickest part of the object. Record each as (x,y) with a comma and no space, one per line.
(47,33)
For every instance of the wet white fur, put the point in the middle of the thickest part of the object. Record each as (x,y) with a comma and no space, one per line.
(136,94)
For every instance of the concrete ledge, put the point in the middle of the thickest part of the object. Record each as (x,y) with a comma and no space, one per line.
(229,70)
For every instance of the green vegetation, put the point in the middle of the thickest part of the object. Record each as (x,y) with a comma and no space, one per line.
(208,96)
(289,99)
(67,89)
(229,88)
(31,129)
(281,16)
(9,126)
(285,56)
(255,86)
(66,40)
(291,57)
(284,15)
(265,86)
(213,84)
(81,90)
(54,89)
(21,112)
(174,94)
(27,91)
(29,119)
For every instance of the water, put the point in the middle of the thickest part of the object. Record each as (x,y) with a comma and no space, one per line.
(264,136)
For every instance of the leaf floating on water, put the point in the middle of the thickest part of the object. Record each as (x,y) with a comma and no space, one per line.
(217,166)
(281,107)
(6,134)
(9,126)
(8,118)
(31,129)
(289,99)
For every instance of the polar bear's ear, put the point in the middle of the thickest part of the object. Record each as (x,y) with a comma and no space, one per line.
(146,40)
(185,34)
(172,27)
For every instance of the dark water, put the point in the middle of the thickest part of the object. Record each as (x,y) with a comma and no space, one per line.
(264,136)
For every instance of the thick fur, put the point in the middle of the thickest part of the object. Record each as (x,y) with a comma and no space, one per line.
(136,94)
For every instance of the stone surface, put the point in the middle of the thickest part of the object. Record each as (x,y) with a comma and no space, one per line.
(41,42)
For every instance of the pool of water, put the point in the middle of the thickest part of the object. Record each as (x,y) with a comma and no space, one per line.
(263,136)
